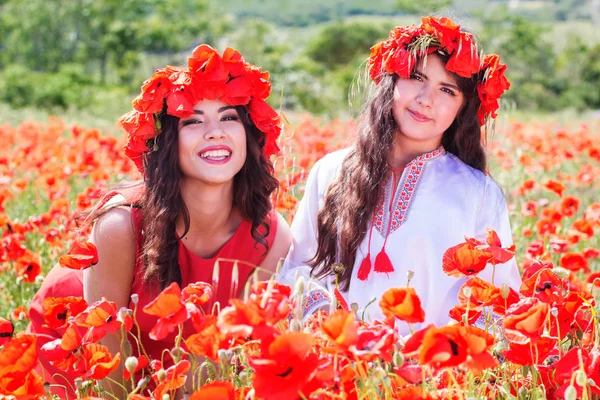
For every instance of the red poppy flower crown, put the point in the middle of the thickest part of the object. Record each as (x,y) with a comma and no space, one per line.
(208,76)
(399,53)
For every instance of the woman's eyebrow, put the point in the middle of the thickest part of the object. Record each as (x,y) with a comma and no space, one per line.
(224,108)
(450,85)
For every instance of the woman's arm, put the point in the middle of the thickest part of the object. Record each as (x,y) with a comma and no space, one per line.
(281,245)
(304,245)
(112,276)
(494,215)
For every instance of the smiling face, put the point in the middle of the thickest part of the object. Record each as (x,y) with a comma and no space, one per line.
(212,143)
(426,104)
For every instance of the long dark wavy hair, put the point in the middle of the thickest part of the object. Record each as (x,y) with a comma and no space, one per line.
(161,201)
(343,221)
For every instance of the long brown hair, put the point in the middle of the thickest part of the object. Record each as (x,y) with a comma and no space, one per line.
(343,221)
(161,201)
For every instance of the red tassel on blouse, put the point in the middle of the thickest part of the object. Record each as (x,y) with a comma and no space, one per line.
(365,268)
(383,262)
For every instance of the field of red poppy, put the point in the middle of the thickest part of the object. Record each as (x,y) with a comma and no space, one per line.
(544,344)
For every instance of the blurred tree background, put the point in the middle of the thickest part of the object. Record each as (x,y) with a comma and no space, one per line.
(93,55)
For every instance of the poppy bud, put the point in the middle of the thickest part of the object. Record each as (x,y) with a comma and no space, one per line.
(177,353)
(19,280)
(78,383)
(591,382)
(354,307)
(561,272)
(224,355)
(505,291)
(467,291)
(243,377)
(554,312)
(379,373)
(39,278)
(580,378)
(410,275)
(398,359)
(300,286)
(131,364)
(161,375)
(135,298)
(338,268)
(570,393)
(143,382)
(296,325)
(166,397)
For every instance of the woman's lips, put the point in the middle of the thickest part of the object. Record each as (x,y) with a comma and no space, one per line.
(417,116)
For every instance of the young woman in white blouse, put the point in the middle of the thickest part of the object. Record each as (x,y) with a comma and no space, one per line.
(413,185)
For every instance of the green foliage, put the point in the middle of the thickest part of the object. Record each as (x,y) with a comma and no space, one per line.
(303,13)
(341,43)
(423,6)
(99,34)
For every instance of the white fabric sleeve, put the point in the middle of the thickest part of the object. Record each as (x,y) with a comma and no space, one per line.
(493,214)
(304,247)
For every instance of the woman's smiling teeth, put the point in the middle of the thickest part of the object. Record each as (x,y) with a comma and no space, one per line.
(216,154)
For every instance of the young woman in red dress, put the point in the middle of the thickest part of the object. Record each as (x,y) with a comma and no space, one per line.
(202,136)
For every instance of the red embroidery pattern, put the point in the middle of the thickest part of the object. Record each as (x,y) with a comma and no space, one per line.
(407,187)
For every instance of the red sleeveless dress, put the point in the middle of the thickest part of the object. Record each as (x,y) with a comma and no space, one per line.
(63,282)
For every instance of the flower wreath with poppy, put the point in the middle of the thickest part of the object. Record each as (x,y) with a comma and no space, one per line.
(208,76)
(405,44)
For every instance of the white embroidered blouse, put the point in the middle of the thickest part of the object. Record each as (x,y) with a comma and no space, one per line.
(437,202)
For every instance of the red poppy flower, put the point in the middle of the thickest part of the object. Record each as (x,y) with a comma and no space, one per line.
(375,341)
(574,262)
(567,309)
(175,378)
(591,253)
(555,186)
(501,254)
(340,300)
(342,328)
(142,362)
(583,227)
(525,320)
(464,259)
(285,368)
(198,293)
(18,357)
(6,331)
(530,353)
(402,303)
(459,314)
(483,293)
(569,206)
(154,90)
(58,310)
(452,346)
(96,362)
(18,314)
(31,386)
(100,319)
(170,310)
(529,209)
(208,340)
(544,285)
(546,226)
(81,256)
(28,266)
(492,88)
(218,390)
